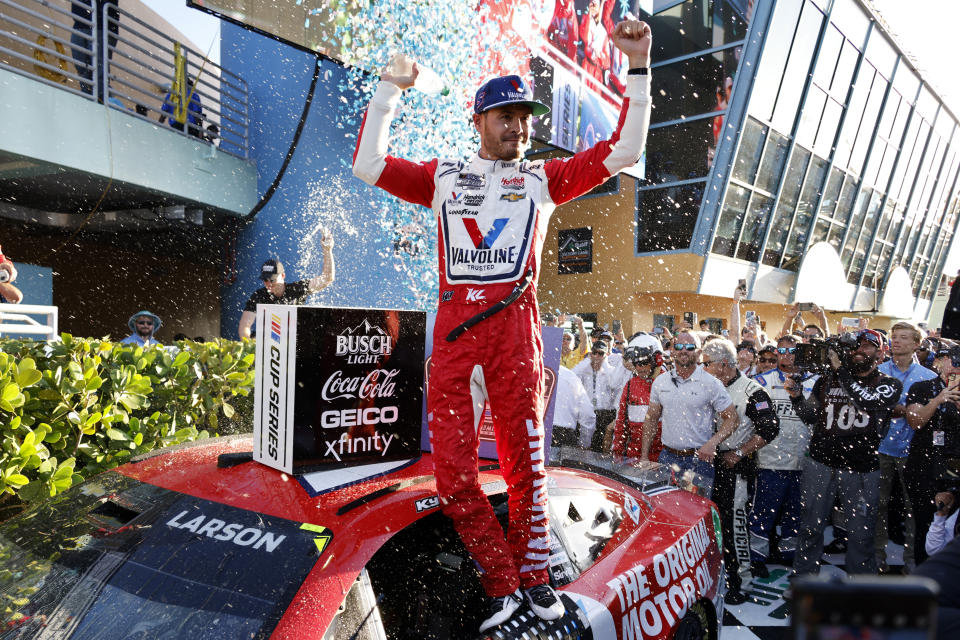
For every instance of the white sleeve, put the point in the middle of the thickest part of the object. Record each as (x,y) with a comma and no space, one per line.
(374,137)
(936,534)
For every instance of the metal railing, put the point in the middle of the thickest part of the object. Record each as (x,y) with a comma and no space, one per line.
(115,57)
(16,319)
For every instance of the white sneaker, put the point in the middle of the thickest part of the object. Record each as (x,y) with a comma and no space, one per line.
(544,602)
(501,610)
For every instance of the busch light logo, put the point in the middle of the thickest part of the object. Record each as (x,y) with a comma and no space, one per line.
(275,328)
(364,343)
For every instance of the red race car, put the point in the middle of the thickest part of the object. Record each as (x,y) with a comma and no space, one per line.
(202,542)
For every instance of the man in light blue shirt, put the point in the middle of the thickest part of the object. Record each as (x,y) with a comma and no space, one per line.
(905,339)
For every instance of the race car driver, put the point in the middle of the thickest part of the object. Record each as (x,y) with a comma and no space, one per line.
(492,213)
(626,439)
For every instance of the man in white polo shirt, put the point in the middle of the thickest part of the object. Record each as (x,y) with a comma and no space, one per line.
(685,400)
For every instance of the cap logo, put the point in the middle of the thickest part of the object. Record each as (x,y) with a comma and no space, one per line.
(268,267)
(515,84)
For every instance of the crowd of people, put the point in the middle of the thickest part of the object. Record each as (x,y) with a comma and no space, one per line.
(788,435)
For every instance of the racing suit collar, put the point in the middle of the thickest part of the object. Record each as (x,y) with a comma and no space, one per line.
(482,165)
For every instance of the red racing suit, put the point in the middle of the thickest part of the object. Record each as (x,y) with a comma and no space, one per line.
(491,223)
(628,432)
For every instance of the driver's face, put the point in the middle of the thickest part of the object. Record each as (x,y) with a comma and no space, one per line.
(504,131)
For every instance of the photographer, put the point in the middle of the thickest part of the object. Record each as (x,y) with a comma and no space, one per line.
(849,412)
(944,527)
(932,412)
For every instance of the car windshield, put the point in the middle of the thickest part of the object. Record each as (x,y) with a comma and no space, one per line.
(642,474)
(117,558)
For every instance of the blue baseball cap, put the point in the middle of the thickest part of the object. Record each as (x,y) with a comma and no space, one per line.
(505,90)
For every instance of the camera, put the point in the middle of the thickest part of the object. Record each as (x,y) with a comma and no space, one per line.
(4,275)
(862,607)
(815,356)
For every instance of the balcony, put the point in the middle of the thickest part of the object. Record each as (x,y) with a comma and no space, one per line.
(98,112)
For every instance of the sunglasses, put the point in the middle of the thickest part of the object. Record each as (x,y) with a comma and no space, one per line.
(145,322)
(769,360)
(680,346)
(707,363)
(786,349)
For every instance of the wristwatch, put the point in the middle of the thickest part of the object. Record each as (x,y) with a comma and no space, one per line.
(738,453)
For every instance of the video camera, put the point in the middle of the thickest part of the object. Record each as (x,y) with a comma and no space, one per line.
(815,356)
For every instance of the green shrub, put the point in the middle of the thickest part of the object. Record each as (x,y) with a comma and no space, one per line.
(71,409)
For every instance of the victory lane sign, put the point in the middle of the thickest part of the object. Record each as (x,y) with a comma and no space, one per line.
(337,387)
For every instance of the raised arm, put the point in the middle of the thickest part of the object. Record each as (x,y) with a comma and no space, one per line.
(407,180)
(569,178)
(326,278)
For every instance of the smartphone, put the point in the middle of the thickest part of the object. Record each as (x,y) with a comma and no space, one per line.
(864,607)
(742,285)
(751,318)
(805,306)
(658,330)
(616,327)
(850,322)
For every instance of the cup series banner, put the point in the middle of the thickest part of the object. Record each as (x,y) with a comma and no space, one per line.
(337,387)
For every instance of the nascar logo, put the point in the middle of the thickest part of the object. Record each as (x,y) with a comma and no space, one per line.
(513,197)
(275,328)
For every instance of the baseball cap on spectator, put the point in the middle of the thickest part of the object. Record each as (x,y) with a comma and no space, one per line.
(871,336)
(952,352)
(645,340)
(599,347)
(271,269)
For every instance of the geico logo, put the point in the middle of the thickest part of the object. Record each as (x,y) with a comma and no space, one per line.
(356,417)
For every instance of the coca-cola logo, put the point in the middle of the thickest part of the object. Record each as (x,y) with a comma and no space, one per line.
(379,383)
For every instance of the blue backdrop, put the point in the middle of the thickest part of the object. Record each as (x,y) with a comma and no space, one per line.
(318,187)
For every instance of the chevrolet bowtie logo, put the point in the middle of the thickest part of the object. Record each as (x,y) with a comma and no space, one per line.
(513,197)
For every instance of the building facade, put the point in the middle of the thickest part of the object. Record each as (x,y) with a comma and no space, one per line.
(776,126)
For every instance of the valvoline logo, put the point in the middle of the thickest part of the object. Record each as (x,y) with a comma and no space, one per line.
(275,328)
(484,241)
(456,198)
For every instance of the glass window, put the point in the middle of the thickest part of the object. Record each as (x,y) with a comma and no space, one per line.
(845,203)
(881,53)
(810,117)
(851,20)
(832,193)
(679,151)
(844,73)
(754,225)
(820,231)
(666,217)
(828,127)
(886,167)
(889,115)
(827,59)
(774,157)
(695,25)
(808,198)
(856,268)
(693,86)
(906,82)
(927,104)
(798,68)
(751,148)
(776,48)
(121,559)
(906,152)
(835,237)
(851,121)
(883,265)
(734,207)
(868,121)
(787,205)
